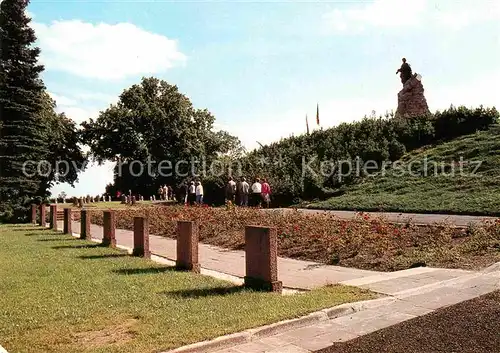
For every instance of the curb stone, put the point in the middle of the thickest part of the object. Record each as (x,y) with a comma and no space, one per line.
(279,327)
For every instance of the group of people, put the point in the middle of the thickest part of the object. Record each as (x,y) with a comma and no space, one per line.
(166,193)
(242,194)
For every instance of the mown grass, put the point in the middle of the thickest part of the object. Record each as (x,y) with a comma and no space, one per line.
(62,294)
(433,192)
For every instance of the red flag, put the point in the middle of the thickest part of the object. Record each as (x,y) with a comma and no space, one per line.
(307,125)
(317,114)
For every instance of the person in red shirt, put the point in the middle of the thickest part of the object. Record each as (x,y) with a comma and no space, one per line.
(266,193)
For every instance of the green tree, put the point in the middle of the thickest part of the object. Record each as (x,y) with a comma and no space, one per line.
(21,103)
(153,120)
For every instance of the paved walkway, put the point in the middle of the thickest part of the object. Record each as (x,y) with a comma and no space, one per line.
(406,294)
(417,218)
(386,312)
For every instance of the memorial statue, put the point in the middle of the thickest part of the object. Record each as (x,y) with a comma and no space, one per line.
(405,71)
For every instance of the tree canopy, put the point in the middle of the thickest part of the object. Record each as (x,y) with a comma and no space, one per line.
(153,120)
(31,133)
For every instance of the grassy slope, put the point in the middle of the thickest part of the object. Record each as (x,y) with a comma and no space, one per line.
(62,294)
(438,193)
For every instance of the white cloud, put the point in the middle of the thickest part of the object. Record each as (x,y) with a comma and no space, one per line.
(105,51)
(380,13)
(92,181)
(78,114)
(400,14)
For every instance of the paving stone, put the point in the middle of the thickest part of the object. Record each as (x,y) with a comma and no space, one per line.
(275,341)
(439,298)
(305,332)
(370,325)
(314,344)
(229,350)
(360,316)
(253,347)
(404,307)
(393,286)
(337,333)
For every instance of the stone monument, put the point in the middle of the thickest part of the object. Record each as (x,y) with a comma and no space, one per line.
(411,99)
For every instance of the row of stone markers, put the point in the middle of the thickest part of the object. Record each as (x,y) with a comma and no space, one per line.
(261,247)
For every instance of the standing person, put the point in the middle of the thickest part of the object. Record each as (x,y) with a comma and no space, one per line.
(192,193)
(230,190)
(266,193)
(165,192)
(256,193)
(238,198)
(199,193)
(245,189)
(170,192)
(184,193)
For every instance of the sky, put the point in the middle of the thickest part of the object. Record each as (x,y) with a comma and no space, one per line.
(261,66)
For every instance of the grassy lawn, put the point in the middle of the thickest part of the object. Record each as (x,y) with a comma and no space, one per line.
(433,192)
(61,294)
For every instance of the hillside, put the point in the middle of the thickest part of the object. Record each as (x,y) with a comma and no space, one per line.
(461,193)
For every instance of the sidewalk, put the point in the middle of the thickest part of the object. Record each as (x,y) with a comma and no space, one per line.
(407,294)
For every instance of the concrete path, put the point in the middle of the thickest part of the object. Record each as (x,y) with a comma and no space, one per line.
(399,307)
(417,218)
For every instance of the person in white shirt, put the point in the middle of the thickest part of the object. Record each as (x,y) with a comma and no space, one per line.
(199,193)
(192,193)
(245,189)
(230,190)
(256,197)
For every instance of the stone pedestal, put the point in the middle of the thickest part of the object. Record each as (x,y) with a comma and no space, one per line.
(33,213)
(411,99)
(85,225)
(261,259)
(141,237)
(53,217)
(67,221)
(42,221)
(187,246)
(109,226)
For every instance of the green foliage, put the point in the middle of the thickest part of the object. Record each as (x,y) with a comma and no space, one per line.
(154,122)
(21,137)
(442,189)
(30,130)
(293,164)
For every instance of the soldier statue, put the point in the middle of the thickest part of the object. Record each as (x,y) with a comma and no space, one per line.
(405,71)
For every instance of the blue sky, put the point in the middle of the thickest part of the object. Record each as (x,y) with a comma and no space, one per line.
(260,67)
